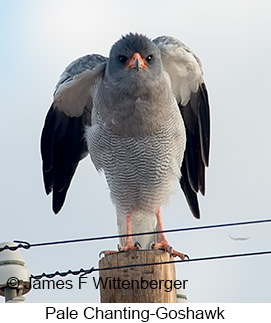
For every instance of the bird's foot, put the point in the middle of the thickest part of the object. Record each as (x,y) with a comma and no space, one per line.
(163,245)
(126,247)
(130,246)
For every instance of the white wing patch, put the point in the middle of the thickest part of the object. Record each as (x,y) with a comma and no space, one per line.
(183,67)
(73,91)
(73,96)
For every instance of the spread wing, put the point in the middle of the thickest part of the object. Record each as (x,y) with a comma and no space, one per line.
(62,140)
(184,69)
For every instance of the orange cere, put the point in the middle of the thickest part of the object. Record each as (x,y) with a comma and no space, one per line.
(136,61)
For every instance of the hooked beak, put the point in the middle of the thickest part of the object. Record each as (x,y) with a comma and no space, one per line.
(136,61)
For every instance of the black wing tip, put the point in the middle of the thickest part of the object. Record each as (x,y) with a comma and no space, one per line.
(56,210)
(195,210)
(191,197)
(58,202)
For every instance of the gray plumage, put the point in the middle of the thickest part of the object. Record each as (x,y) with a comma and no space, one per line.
(142,128)
(140,170)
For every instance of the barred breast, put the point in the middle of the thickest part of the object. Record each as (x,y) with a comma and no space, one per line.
(140,171)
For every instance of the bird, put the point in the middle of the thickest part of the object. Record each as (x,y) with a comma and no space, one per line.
(143,116)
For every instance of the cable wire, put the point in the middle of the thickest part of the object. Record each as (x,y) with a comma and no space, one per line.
(27,245)
(84,272)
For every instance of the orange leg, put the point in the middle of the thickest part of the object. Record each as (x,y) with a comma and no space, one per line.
(162,243)
(129,245)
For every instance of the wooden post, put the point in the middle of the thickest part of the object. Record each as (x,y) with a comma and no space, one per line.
(141,284)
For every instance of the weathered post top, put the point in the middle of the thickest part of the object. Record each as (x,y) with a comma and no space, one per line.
(140,284)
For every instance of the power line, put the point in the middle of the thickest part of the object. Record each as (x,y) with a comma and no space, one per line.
(92,269)
(27,245)
(65,273)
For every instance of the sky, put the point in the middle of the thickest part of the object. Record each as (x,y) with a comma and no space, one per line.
(232,38)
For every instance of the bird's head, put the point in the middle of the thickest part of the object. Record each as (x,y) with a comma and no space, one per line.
(134,57)
(134,94)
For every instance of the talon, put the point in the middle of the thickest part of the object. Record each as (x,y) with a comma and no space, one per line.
(178,254)
(163,245)
(186,256)
(107,252)
(137,244)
